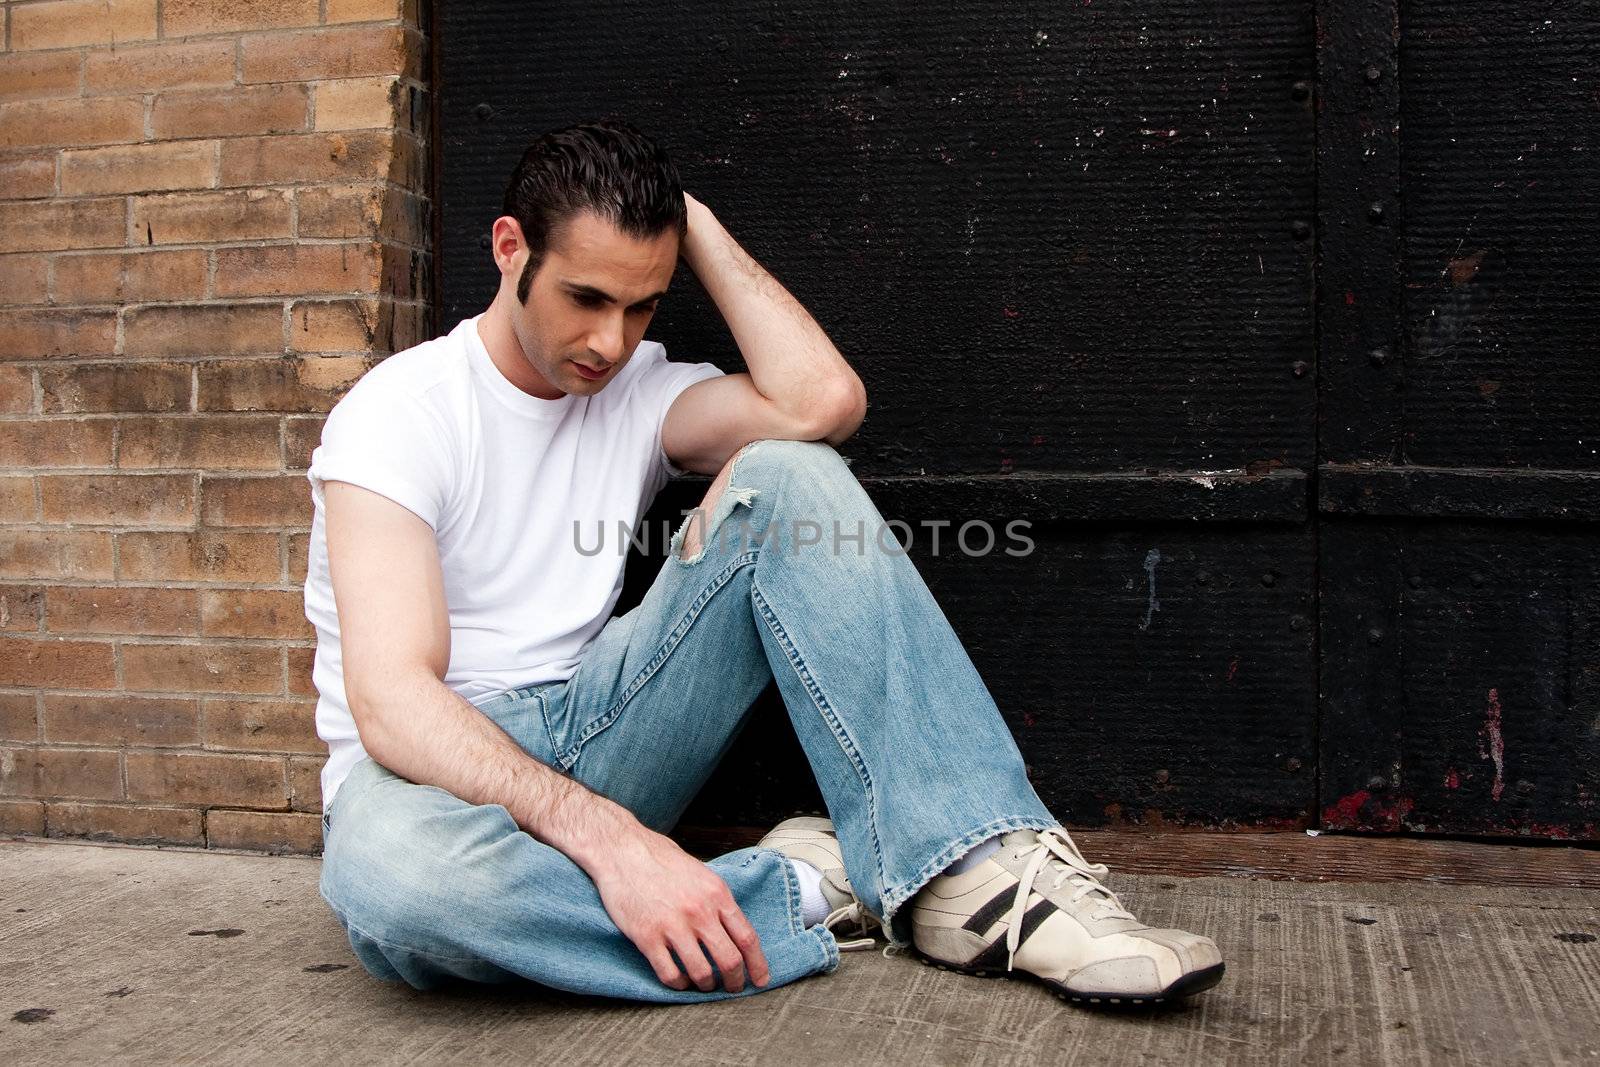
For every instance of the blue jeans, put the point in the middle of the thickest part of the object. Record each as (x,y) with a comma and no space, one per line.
(911,754)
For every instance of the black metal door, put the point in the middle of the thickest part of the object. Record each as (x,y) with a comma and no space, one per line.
(1459,453)
(1071,251)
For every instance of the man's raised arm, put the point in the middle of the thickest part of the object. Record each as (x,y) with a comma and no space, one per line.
(394,631)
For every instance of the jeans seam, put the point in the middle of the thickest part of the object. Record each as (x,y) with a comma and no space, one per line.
(820,701)
(657,660)
(343,918)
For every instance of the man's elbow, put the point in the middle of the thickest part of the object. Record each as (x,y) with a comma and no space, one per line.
(843,413)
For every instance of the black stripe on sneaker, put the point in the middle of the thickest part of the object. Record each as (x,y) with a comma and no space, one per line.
(994,957)
(990,913)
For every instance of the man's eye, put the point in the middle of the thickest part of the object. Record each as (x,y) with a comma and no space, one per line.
(585,300)
(647,309)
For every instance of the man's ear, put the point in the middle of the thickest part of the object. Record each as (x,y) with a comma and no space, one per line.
(506,242)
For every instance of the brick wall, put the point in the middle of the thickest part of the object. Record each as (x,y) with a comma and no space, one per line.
(213,219)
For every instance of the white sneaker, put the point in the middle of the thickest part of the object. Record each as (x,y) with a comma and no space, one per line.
(812,840)
(1038,907)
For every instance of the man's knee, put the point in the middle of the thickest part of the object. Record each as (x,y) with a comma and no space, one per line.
(759,466)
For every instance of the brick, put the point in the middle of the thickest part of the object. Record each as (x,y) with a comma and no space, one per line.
(301,661)
(139,168)
(210,442)
(118,499)
(294,385)
(127,387)
(198,557)
(285,833)
(208,218)
(405,274)
(371,10)
(22,817)
(55,554)
(181,65)
(262,725)
(255,109)
(56,443)
(207,778)
(346,52)
(364,210)
(202,668)
(57,663)
(19,719)
(357,103)
(299,557)
(298,269)
(25,279)
(274,502)
(28,175)
(305,782)
(60,772)
(121,720)
(340,210)
(335,325)
(21,608)
(190,18)
(69,23)
(379,326)
(308,157)
(128,824)
(26,333)
(17,504)
(129,277)
(25,76)
(301,438)
(16,391)
(203,330)
(254,613)
(55,226)
(76,121)
(77,609)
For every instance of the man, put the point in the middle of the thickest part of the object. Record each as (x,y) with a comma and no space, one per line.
(504,757)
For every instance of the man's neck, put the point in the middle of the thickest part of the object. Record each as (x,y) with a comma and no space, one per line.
(500,340)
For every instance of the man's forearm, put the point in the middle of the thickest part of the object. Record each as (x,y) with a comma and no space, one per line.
(424,731)
(791,361)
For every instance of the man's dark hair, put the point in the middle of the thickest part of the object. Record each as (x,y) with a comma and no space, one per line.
(607,167)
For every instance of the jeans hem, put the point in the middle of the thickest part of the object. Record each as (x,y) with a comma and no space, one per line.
(896,896)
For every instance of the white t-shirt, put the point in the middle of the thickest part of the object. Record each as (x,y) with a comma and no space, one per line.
(501,477)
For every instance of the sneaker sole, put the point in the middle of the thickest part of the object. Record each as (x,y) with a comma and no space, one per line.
(1187,986)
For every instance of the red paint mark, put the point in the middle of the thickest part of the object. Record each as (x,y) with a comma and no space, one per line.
(1452,780)
(1360,810)
(1349,299)
(1346,811)
(1492,745)
(1038,439)
(1011,313)
(1233,668)
(1028,719)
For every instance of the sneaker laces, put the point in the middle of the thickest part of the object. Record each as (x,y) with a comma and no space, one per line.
(852,912)
(1057,849)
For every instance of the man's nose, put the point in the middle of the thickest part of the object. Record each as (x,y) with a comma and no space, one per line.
(605,340)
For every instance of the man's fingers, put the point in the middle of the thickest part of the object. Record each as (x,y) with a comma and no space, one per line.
(729,960)
(666,968)
(687,946)
(748,943)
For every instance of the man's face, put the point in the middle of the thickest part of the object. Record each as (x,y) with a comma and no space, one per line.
(590,301)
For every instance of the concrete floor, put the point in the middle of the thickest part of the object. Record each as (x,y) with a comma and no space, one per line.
(140,956)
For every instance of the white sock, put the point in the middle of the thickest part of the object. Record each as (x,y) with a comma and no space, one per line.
(813,905)
(979,852)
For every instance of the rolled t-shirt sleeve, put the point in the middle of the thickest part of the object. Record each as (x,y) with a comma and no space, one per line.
(385,440)
(658,387)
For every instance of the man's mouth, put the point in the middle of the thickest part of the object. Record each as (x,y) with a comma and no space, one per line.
(589,372)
